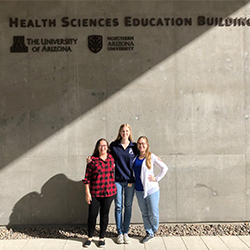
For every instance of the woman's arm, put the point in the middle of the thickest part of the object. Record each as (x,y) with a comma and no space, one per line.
(163,169)
(88,196)
(86,181)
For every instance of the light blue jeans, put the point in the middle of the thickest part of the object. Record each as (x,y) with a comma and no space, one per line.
(126,191)
(150,210)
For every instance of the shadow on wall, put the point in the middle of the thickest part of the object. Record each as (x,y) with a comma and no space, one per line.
(55,89)
(60,200)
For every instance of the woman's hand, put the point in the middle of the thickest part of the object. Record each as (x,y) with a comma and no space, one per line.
(88,159)
(152,178)
(88,198)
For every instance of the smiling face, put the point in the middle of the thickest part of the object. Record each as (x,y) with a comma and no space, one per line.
(142,145)
(125,132)
(103,147)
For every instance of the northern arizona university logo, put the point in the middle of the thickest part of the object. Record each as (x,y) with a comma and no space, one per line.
(18,45)
(95,43)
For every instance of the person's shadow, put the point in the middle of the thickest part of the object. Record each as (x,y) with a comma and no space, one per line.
(59,211)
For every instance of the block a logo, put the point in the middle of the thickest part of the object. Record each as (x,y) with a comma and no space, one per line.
(18,45)
(95,43)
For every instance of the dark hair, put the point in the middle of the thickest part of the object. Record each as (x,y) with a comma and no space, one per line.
(96,151)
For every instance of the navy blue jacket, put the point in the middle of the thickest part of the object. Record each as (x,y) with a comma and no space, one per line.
(124,161)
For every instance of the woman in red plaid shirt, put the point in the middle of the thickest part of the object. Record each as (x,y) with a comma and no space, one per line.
(100,189)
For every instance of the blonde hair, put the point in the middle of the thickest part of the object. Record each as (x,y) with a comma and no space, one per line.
(148,153)
(121,127)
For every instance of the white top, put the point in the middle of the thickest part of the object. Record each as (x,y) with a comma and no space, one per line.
(151,186)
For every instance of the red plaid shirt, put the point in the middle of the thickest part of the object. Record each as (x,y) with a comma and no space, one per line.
(100,176)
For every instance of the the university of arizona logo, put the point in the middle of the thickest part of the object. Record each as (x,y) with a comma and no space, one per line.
(18,45)
(95,43)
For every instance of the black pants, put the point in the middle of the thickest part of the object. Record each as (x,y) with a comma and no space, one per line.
(104,205)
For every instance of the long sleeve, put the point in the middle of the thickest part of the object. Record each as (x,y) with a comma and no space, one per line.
(99,177)
(88,172)
(152,186)
(162,166)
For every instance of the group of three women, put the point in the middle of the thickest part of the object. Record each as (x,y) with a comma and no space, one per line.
(115,174)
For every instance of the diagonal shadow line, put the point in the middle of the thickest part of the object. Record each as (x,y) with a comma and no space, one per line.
(42,94)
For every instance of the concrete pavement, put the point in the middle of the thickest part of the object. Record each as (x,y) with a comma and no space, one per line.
(158,243)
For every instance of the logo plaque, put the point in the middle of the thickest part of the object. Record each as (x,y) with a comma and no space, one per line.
(95,43)
(18,45)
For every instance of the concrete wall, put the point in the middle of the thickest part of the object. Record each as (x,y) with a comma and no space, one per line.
(186,87)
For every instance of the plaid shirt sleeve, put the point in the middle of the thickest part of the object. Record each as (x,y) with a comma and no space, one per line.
(100,176)
(87,178)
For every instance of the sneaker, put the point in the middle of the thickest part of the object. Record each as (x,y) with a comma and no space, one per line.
(87,243)
(147,238)
(101,243)
(126,239)
(120,239)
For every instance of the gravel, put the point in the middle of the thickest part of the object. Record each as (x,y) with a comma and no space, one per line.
(64,232)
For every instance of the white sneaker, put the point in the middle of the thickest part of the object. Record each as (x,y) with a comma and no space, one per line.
(120,239)
(126,239)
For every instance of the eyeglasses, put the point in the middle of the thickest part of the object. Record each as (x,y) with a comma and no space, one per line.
(102,146)
(142,144)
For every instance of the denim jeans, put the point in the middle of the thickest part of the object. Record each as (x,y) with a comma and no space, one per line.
(125,190)
(150,210)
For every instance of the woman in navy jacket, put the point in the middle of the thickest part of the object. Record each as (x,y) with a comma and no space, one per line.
(124,150)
